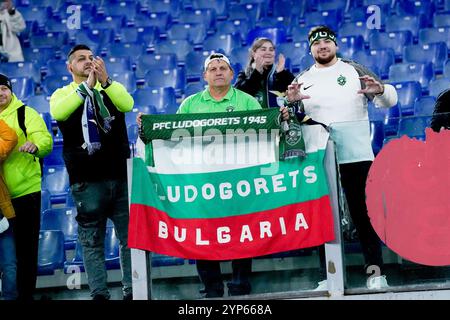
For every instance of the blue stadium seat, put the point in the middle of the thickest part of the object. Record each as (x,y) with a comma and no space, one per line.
(277,35)
(195,33)
(175,78)
(127,79)
(160,260)
(378,61)
(114,23)
(376,135)
(49,39)
(39,103)
(94,38)
(125,49)
(146,62)
(415,8)
(441,20)
(118,64)
(251,12)
(424,106)
(432,35)
(394,40)
(307,61)
(45,200)
(358,28)
(207,17)
(219,6)
(51,253)
(299,33)
(132,34)
(172,7)
(407,93)
(62,219)
(406,23)
(122,8)
(56,182)
(389,116)
(160,100)
(23,87)
(36,13)
(447,69)
(331,18)
(112,258)
(57,67)
(326,5)
(51,83)
(224,42)
(420,72)
(39,56)
(241,54)
(277,22)
(437,86)
(285,8)
(55,158)
(436,53)
(21,69)
(348,46)
(130,118)
(193,88)
(414,127)
(161,20)
(194,64)
(236,26)
(180,47)
(294,51)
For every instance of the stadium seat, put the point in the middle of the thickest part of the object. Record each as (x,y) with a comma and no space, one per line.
(160,20)
(299,33)
(194,64)
(62,219)
(23,87)
(193,88)
(436,53)
(195,33)
(112,258)
(441,20)
(240,26)
(307,62)
(389,116)
(51,253)
(51,83)
(94,38)
(207,17)
(447,69)
(432,35)
(160,260)
(394,40)
(358,28)
(127,79)
(224,42)
(219,6)
(125,49)
(38,56)
(251,12)
(414,127)
(21,69)
(180,47)
(118,64)
(160,100)
(415,8)
(241,54)
(122,8)
(424,106)
(57,67)
(49,39)
(285,8)
(56,181)
(45,200)
(175,78)
(330,18)
(55,158)
(407,93)
(420,72)
(39,103)
(142,35)
(406,23)
(277,35)
(348,46)
(437,86)
(376,135)
(277,22)
(172,7)
(36,13)
(294,51)
(146,62)
(366,59)
(113,23)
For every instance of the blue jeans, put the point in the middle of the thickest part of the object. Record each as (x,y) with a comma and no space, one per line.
(95,202)
(8,264)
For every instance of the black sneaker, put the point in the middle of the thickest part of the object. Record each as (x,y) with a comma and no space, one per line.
(100,297)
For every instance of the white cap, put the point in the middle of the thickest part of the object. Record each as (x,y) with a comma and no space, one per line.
(216,56)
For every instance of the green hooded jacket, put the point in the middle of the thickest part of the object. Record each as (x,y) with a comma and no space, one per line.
(22,171)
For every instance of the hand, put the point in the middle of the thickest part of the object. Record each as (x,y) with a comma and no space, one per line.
(100,70)
(284,113)
(29,147)
(92,79)
(293,93)
(372,85)
(139,119)
(281,63)
(259,64)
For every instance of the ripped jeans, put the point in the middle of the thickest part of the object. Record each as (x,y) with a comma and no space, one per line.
(95,202)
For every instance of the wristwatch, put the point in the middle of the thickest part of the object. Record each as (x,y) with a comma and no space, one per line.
(108,83)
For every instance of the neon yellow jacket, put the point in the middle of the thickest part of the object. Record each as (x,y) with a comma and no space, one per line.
(22,170)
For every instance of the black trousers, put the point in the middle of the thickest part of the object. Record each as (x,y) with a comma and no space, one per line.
(353,181)
(211,276)
(26,233)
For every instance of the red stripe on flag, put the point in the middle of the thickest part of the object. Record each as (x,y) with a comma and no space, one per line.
(286,228)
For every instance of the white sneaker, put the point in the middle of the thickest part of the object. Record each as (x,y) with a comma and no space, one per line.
(322,286)
(377,283)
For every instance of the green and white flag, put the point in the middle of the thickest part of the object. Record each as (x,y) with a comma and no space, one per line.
(214,188)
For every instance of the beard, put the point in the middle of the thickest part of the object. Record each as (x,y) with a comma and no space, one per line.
(325,60)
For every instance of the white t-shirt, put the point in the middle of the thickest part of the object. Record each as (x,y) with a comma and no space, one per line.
(335,101)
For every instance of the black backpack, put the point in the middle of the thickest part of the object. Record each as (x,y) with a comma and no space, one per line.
(21,120)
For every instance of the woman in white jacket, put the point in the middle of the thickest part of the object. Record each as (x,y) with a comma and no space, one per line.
(11,23)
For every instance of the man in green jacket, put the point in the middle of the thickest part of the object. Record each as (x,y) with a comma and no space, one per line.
(90,115)
(22,173)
